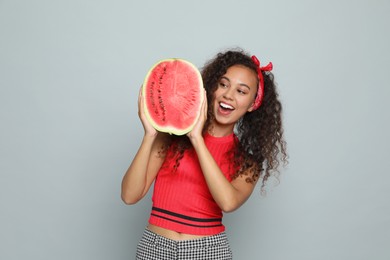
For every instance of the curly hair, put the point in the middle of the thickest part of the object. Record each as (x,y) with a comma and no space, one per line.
(261,147)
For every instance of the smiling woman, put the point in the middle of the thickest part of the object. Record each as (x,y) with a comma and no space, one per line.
(234,97)
(214,165)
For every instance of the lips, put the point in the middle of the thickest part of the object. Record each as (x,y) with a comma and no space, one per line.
(226,106)
(225,109)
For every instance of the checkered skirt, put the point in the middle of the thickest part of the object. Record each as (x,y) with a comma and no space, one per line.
(155,247)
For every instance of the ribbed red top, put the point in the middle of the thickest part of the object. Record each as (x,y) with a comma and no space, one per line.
(182,201)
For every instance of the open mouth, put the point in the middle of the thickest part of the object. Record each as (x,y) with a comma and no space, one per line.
(225,106)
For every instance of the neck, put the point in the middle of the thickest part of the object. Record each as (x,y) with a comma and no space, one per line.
(220,131)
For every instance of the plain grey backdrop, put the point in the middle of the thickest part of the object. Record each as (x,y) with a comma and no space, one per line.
(70,73)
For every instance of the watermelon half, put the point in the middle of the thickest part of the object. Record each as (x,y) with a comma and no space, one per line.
(173,94)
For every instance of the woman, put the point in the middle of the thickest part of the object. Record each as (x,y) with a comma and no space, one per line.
(237,140)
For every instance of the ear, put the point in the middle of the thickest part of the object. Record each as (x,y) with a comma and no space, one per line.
(250,109)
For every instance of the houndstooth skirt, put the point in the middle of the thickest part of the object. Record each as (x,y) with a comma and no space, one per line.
(155,247)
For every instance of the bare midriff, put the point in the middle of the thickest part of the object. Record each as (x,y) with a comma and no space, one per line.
(172,234)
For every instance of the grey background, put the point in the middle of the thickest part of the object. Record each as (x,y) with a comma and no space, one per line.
(70,73)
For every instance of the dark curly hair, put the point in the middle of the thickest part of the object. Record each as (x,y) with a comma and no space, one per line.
(261,147)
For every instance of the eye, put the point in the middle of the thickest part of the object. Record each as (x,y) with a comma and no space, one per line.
(223,84)
(242,92)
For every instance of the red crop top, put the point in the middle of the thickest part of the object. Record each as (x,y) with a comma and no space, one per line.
(182,201)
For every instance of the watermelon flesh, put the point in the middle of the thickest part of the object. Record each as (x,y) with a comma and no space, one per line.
(173,94)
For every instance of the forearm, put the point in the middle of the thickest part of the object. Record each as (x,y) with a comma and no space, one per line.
(224,193)
(135,180)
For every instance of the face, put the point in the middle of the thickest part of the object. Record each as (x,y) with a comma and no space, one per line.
(234,96)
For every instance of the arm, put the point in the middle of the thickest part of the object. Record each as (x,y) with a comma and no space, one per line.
(146,163)
(228,195)
(143,170)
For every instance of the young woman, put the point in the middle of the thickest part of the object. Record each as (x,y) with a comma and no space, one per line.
(237,141)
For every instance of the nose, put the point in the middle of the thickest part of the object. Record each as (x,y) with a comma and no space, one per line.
(228,93)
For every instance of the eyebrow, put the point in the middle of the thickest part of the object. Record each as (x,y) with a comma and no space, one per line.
(241,84)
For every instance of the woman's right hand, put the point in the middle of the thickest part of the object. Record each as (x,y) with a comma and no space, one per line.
(148,128)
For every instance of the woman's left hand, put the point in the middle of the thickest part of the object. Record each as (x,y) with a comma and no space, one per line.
(197,131)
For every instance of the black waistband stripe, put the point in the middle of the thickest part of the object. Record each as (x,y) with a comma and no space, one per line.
(187,224)
(174,214)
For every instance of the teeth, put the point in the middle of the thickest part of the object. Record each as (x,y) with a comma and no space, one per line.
(226,106)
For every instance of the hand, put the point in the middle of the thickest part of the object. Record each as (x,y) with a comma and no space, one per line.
(197,131)
(148,128)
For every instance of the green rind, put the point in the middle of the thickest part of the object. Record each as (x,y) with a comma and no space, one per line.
(166,129)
